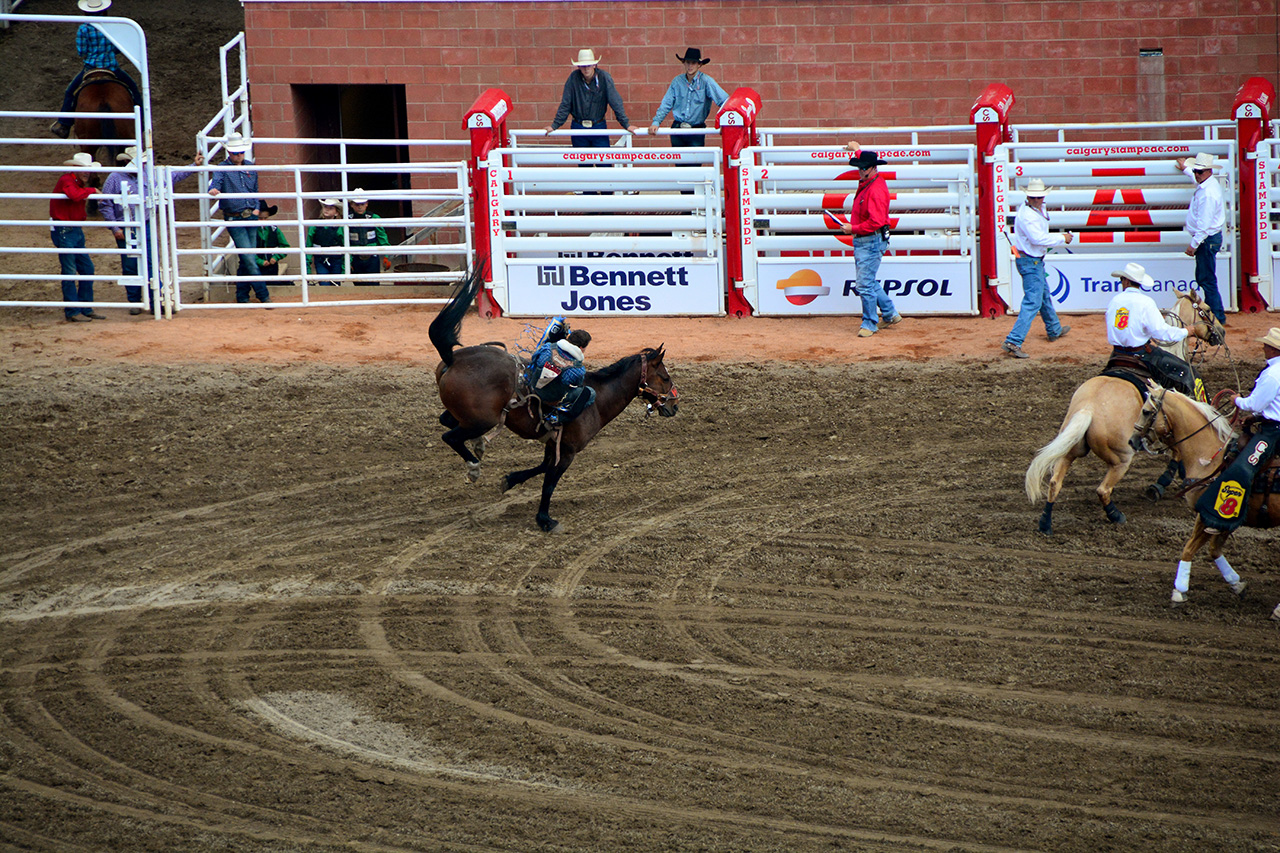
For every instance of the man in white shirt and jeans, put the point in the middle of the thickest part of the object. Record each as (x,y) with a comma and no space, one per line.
(1031,239)
(1134,320)
(1206,216)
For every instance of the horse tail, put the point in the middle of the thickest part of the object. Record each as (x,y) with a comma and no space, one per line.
(445,330)
(1042,465)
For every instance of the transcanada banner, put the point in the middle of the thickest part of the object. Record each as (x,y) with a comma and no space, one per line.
(585,287)
(1085,283)
(828,286)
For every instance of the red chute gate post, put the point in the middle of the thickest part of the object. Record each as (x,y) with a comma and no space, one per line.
(487,124)
(737,122)
(1252,113)
(990,117)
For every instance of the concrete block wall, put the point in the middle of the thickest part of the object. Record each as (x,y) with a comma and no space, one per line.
(815,62)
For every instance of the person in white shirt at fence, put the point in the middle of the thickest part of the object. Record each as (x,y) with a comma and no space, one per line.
(1031,240)
(1206,216)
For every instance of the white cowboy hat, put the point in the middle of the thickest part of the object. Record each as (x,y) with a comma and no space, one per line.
(359,197)
(1135,273)
(83,160)
(569,349)
(1203,162)
(1036,189)
(586,56)
(1271,338)
(94,5)
(330,202)
(236,144)
(127,154)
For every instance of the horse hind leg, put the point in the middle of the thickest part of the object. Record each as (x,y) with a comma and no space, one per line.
(1056,480)
(459,438)
(1115,473)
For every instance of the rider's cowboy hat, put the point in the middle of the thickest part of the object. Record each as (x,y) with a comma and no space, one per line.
(1203,163)
(237,144)
(1272,338)
(1135,274)
(94,5)
(569,349)
(83,160)
(586,56)
(359,197)
(865,159)
(1036,189)
(127,154)
(692,54)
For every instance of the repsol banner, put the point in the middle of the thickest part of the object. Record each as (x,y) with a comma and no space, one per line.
(1086,283)
(829,286)
(589,287)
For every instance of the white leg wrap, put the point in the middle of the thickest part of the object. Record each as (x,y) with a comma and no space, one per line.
(1228,574)
(1182,581)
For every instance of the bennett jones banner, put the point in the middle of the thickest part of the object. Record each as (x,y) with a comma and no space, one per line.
(827,286)
(1086,283)
(608,287)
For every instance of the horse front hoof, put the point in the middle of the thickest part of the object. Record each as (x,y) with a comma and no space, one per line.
(1046,526)
(504,485)
(1114,515)
(1154,492)
(549,524)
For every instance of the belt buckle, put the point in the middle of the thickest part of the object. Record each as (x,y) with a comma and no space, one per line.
(683,124)
(586,123)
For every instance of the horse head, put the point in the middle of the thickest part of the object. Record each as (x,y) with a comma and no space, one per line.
(656,387)
(1197,317)
(1152,410)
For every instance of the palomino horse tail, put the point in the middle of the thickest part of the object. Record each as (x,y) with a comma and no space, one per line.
(445,330)
(1041,467)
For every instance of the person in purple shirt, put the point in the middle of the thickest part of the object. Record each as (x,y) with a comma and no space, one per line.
(134,182)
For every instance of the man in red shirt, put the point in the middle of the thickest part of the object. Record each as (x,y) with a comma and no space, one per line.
(73,186)
(869,225)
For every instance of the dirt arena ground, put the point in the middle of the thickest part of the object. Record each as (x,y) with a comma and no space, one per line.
(250,603)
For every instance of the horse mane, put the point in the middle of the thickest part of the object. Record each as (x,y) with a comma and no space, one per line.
(1220,424)
(623,364)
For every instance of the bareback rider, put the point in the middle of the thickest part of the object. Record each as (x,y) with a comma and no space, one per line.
(556,375)
(98,53)
(1224,505)
(1134,321)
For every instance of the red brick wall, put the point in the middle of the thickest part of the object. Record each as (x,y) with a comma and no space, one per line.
(816,62)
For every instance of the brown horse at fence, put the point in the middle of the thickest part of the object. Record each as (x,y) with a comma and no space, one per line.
(1100,419)
(1197,435)
(101,92)
(480,389)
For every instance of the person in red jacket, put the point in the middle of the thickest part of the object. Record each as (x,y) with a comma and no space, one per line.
(869,225)
(74,189)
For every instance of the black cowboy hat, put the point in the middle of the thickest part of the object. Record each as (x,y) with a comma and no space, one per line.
(866,159)
(692,54)
(272,209)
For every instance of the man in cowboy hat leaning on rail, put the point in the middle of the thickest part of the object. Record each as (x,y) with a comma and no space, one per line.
(1031,240)
(587,94)
(689,99)
(1206,216)
(869,225)
(241,214)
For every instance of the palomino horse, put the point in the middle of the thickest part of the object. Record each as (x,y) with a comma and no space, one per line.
(1197,435)
(477,384)
(101,92)
(1100,418)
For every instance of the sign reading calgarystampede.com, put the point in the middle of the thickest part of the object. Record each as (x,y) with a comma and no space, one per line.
(830,287)
(608,287)
(1084,283)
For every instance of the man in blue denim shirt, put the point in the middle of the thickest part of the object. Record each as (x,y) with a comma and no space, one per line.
(241,214)
(98,52)
(689,99)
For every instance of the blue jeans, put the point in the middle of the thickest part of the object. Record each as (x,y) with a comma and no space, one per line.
(591,142)
(1207,273)
(246,237)
(74,265)
(327,265)
(129,265)
(867,252)
(1036,299)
